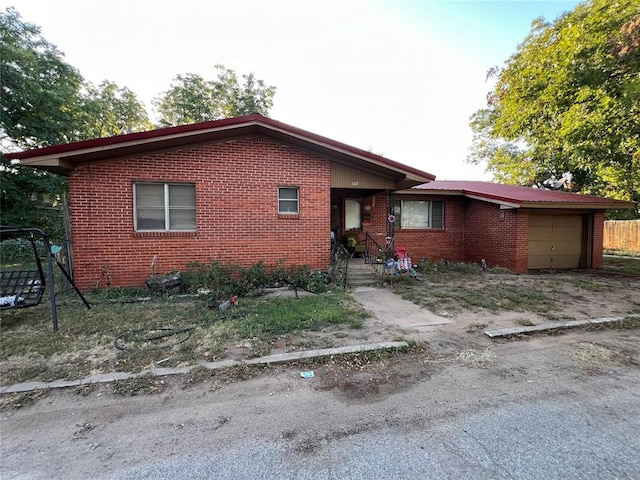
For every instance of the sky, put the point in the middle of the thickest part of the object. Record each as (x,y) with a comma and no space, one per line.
(400,78)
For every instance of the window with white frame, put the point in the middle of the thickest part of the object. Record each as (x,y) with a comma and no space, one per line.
(416,214)
(165,206)
(288,200)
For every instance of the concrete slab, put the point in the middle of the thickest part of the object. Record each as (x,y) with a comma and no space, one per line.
(279,358)
(326,352)
(505,332)
(391,308)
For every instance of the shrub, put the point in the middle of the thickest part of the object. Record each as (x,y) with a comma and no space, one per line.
(19,250)
(213,276)
(223,281)
(256,276)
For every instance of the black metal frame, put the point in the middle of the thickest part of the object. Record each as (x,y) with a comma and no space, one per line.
(34,282)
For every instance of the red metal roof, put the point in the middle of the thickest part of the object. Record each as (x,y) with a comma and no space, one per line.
(63,158)
(522,196)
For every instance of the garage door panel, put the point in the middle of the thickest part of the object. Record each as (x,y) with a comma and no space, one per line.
(564,248)
(555,241)
(541,233)
(538,248)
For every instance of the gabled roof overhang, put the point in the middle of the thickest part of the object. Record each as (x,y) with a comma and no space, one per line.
(63,159)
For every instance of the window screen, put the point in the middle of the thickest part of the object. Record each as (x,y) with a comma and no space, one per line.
(164,206)
(288,200)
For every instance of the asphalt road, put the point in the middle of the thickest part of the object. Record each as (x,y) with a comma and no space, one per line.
(545,439)
(530,414)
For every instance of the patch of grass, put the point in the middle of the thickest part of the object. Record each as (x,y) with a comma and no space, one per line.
(259,348)
(476,358)
(197,375)
(593,356)
(84,344)
(626,323)
(590,285)
(100,295)
(222,376)
(86,389)
(622,252)
(489,296)
(628,265)
(443,271)
(500,271)
(525,322)
(414,296)
(304,344)
(521,336)
(273,317)
(143,384)
(476,327)
(14,401)
(326,343)
(19,371)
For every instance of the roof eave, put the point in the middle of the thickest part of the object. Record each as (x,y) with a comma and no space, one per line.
(64,158)
(509,203)
(613,205)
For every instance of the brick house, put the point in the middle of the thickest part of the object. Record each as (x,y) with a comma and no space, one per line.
(518,228)
(251,189)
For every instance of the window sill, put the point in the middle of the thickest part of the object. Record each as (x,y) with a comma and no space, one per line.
(420,229)
(289,216)
(161,233)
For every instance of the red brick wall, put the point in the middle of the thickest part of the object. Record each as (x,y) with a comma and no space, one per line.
(521,244)
(474,230)
(598,239)
(436,244)
(236,211)
(501,242)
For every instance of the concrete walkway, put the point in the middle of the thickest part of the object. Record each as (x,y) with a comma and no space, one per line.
(394,310)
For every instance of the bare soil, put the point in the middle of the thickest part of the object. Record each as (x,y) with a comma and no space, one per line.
(540,298)
(120,430)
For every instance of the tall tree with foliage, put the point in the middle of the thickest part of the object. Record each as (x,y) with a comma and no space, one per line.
(45,101)
(40,92)
(191,98)
(567,104)
(111,110)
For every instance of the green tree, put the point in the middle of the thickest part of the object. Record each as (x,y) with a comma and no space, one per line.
(39,91)
(111,110)
(31,198)
(45,101)
(567,104)
(191,98)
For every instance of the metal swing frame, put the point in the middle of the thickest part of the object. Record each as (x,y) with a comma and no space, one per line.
(27,287)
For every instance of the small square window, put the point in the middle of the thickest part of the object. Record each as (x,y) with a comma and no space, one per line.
(288,200)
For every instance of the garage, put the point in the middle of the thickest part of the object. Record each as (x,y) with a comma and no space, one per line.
(555,241)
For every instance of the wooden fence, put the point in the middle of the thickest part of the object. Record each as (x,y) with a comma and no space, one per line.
(622,235)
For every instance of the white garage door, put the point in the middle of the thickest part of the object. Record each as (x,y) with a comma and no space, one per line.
(555,241)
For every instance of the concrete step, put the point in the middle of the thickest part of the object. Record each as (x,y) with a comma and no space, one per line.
(360,274)
(361,282)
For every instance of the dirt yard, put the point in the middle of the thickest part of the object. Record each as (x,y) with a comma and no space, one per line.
(491,301)
(453,370)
